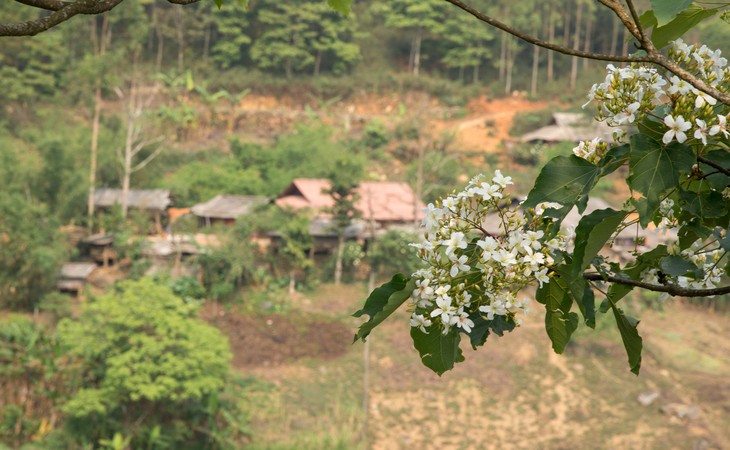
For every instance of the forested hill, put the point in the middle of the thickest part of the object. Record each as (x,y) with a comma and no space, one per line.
(229,47)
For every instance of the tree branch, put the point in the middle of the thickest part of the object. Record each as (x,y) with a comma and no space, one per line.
(63,11)
(69,10)
(714,165)
(545,44)
(653,55)
(671,289)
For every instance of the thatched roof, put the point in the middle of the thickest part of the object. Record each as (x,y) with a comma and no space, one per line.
(572,127)
(228,206)
(77,270)
(149,199)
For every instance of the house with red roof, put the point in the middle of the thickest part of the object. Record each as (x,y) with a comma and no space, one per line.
(387,203)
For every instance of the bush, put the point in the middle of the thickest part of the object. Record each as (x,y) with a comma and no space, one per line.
(152,372)
(527,121)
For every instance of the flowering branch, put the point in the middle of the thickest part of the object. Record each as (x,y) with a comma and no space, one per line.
(653,56)
(671,289)
(545,44)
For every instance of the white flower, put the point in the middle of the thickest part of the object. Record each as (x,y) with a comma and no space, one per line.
(542,276)
(679,86)
(423,290)
(444,309)
(721,126)
(702,98)
(420,322)
(459,265)
(540,208)
(701,131)
(450,203)
(463,321)
(500,179)
(677,127)
(456,240)
(628,115)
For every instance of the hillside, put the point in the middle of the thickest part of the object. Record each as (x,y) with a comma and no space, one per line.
(525,396)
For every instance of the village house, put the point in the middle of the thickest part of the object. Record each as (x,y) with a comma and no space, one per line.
(151,201)
(382,204)
(570,127)
(74,276)
(225,209)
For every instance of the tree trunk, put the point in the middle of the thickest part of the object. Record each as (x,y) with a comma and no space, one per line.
(292,282)
(510,64)
(340,254)
(576,46)
(180,22)
(412,52)
(475,78)
(206,44)
(535,69)
(419,182)
(160,40)
(587,41)
(127,164)
(417,53)
(100,43)
(317,62)
(551,37)
(502,56)
(288,68)
(614,36)
(461,74)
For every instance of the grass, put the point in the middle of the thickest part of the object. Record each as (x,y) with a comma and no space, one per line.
(513,391)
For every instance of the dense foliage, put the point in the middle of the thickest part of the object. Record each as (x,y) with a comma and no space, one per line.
(152,371)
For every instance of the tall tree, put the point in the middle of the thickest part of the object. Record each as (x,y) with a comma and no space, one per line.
(344,180)
(420,19)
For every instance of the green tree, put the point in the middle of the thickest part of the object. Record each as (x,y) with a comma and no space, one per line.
(344,180)
(231,26)
(299,36)
(152,371)
(30,255)
(420,19)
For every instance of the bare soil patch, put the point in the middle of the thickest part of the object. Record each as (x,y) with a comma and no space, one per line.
(265,340)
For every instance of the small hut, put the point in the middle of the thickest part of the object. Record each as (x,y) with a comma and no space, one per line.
(151,201)
(74,276)
(225,209)
(99,248)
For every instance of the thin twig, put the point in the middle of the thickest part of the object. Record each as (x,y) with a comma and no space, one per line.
(714,165)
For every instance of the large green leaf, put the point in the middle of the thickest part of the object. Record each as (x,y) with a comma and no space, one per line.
(684,21)
(666,10)
(703,204)
(591,234)
(566,180)
(438,351)
(655,168)
(582,294)
(480,331)
(630,336)
(383,301)
(676,265)
(560,323)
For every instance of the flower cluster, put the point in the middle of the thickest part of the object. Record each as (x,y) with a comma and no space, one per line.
(706,256)
(479,253)
(592,151)
(629,94)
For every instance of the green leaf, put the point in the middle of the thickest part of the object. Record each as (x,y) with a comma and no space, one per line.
(646,260)
(666,10)
(438,351)
(676,265)
(718,180)
(480,331)
(655,169)
(704,204)
(383,301)
(723,241)
(684,21)
(559,322)
(591,235)
(581,293)
(342,6)
(648,19)
(630,336)
(565,180)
